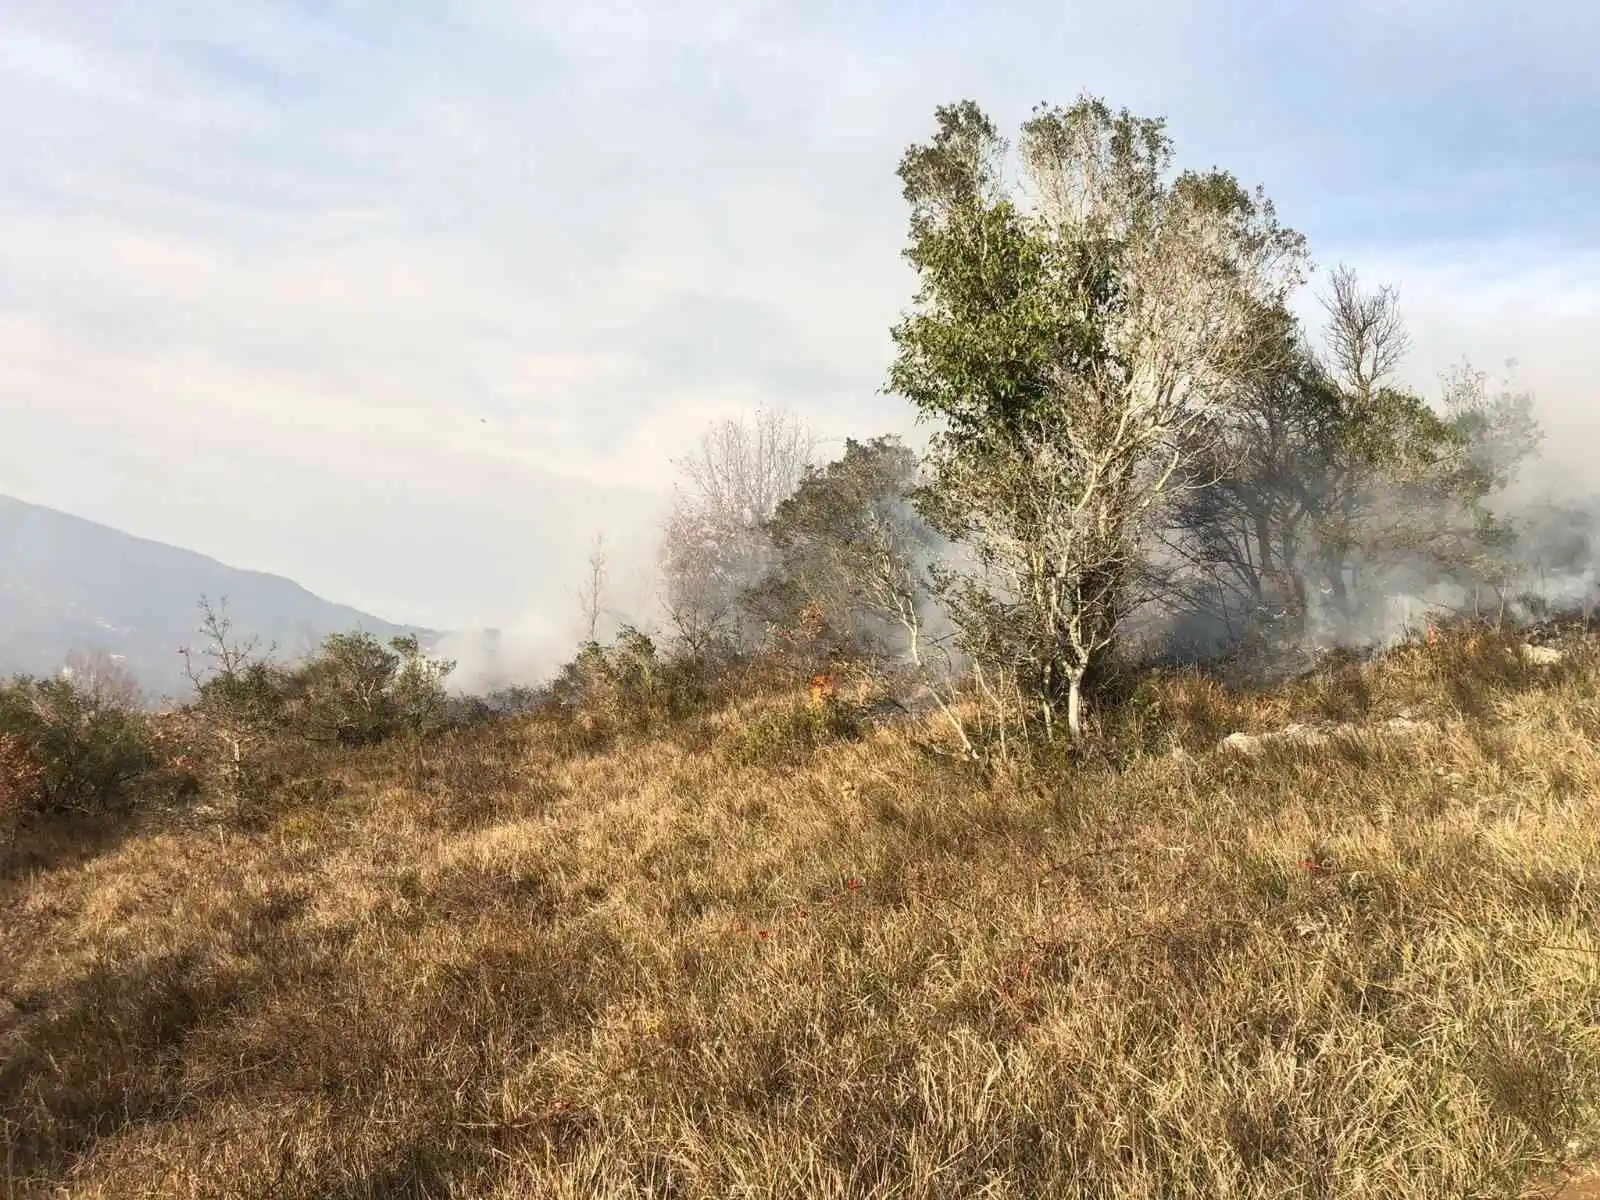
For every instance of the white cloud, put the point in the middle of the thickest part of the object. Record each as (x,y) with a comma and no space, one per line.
(469,280)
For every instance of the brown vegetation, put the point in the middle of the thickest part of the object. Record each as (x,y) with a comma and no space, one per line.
(829,959)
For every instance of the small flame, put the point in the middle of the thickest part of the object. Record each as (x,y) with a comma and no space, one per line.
(822,687)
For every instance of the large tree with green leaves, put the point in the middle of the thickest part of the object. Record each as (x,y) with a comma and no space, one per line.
(1078,335)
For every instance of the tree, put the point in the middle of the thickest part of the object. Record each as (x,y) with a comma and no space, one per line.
(1328,483)
(101,676)
(1393,473)
(850,546)
(418,689)
(63,747)
(238,692)
(1075,352)
(355,690)
(1238,537)
(591,595)
(418,700)
(713,546)
(342,693)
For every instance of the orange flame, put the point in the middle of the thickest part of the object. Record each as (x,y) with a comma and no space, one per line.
(822,687)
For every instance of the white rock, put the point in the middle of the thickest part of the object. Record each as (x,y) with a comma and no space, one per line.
(1313,735)
(1254,743)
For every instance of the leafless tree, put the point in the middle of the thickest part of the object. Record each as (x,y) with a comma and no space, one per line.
(714,545)
(591,596)
(100,675)
(1366,338)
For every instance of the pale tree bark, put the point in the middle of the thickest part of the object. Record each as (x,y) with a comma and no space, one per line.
(591,595)
(1142,319)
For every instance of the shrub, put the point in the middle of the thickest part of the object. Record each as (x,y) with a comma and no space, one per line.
(463,712)
(66,748)
(357,691)
(791,733)
(627,685)
(21,782)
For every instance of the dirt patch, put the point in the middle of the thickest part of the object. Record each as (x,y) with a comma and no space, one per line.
(1587,1188)
(1579,1183)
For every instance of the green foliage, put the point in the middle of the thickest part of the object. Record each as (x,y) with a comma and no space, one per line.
(250,697)
(1073,341)
(1015,305)
(848,547)
(251,713)
(628,685)
(357,691)
(342,693)
(789,734)
(67,750)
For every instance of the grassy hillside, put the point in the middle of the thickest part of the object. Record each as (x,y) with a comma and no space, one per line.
(735,957)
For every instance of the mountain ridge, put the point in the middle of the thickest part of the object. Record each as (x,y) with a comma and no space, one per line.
(68,583)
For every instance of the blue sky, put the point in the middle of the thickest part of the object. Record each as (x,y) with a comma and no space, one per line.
(406,301)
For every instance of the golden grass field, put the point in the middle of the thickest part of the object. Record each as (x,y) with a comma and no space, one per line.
(692,964)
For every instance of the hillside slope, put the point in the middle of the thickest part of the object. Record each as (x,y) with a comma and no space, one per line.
(713,961)
(69,584)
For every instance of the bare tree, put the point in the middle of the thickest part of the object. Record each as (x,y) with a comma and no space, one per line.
(100,676)
(1366,338)
(743,469)
(591,596)
(714,544)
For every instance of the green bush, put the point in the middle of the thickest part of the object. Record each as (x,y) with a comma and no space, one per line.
(628,685)
(357,691)
(792,733)
(80,752)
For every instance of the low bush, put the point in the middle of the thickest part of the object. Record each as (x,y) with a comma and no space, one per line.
(790,733)
(357,691)
(630,686)
(68,749)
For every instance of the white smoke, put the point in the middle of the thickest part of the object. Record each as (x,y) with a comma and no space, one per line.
(527,654)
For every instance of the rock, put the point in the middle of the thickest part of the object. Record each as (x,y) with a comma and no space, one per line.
(1541,656)
(1245,743)
(1404,724)
(1313,735)
(1254,743)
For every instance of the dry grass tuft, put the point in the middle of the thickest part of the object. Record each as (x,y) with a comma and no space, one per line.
(817,961)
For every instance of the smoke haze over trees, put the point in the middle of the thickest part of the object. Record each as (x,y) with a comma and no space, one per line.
(1135,449)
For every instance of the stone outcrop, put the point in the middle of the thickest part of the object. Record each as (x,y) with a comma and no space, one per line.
(1304,734)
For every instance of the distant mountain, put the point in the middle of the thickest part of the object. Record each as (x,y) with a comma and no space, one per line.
(68,584)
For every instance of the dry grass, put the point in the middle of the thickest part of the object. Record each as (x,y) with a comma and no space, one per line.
(679,967)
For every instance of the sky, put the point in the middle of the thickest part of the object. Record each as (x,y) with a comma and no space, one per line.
(409,301)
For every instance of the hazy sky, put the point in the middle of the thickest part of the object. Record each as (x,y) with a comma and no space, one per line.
(408,300)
